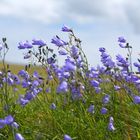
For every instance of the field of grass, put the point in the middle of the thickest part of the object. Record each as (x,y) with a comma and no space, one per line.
(37,121)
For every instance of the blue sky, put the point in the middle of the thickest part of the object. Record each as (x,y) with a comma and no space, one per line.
(97,23)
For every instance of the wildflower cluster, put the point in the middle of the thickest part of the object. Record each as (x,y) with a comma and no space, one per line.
(97,92)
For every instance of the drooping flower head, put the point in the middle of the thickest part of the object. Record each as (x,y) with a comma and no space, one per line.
(104,110)
(58,42)
(117,87)
(67,137)
(18,136)
(25,45)
(106,99)
(2,123)
(9,119)
(62,52)
(91,108)
(66,29)
(28,45)
(53,106)
(122,42)
(111,124)
(102,50)
(63,87)
(21,45)
(38,42)
(121,39)
(136,99)
(69,66)
(95,83)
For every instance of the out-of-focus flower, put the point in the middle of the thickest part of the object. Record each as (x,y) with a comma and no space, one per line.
(95,83)
(74,51)
(35,74)
(91,109)
(9,119)
(15,125)
(137,65)
(24,45)
(67,137)
(121,39)
(111,119)
(122,42)
(24,74)
(136,99)
(111,125)
(18,136)
(26,84)
(2,123)
(63,87)
(48,90)
(22,101)
(122,62)
(102,50)
(62,52)
(106,59)
(66,29)
(38,42)
(69,66)
(21,45)
(97,89)
(58,42)
(104,110)
(106,99)
(51,60)
(122,45)
(53,106)
(28,45)
(29,95)
(117,88)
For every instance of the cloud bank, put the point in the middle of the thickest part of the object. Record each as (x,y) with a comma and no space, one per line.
(80,11)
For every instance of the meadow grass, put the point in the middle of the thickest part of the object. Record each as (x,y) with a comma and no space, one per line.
(38,122)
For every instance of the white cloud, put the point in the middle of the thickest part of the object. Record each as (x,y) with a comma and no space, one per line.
(132,9)
(42,10)
(81,11)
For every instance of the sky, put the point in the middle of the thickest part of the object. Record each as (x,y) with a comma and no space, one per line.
(96,23)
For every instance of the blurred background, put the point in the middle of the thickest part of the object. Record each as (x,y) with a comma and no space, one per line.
(97,23)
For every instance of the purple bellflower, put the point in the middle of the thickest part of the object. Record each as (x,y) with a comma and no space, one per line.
(62,52)
(111,125)
(2,123)
(122,42)
(103,110)
(136,99)
(106,99)
(63,87)
(91,109)
(95,83)
(53,106)
(38,42)
(58,42)
(121,39)
(67,137)
(66,29)
(18,136)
